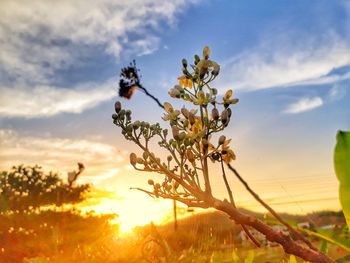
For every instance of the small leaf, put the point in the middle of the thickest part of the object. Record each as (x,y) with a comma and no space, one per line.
(324,247)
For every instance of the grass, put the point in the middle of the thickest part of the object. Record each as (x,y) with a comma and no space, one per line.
(53,236)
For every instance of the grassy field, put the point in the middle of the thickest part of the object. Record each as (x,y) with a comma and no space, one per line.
(54,236)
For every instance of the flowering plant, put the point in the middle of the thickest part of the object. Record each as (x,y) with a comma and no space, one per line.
(191,146)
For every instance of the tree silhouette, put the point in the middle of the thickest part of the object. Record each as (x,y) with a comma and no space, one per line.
(27,188)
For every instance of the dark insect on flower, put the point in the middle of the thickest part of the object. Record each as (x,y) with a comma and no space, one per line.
(129,81)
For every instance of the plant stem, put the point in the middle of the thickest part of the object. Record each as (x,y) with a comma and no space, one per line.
(150,95)
(269,208)
(229,191)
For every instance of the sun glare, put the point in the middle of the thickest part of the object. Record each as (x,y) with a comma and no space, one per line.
(134,209)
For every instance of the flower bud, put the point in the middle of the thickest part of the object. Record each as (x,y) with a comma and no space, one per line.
(174,93)
(133,159)
(205,143)
(206,52)
(190,155)
(175,131)
(216,69)
(145,155)
(191,118)
(150,182)
(128,128)
(196,59)
(224,117)
(215,114)
(229,112)
(182,136)
(184,63)
(168,107)
(187,142)
(165,132)
(169,158)
(184,112)
(117,106)
(228,95)
(174,144)
(222,139)
(136,125)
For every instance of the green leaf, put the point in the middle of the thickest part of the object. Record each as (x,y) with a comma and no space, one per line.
(324,248)
(342,170)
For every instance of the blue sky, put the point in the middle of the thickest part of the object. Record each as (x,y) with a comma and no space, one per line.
(287,61)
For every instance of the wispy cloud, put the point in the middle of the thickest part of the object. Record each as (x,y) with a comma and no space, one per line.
(100,159)
(337,92)
(282,63)
(46,101)
(40,38)
(304,104)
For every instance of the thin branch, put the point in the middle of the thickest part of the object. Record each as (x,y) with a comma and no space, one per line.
(151,96)
(229,191)
(270,209)
(289,245)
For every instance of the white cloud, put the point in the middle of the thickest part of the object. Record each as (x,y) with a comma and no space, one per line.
(304,104)
(329,79)
(101,160)
(38,37)
(45,101)
(281,62)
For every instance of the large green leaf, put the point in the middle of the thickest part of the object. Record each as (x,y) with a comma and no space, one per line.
(342,170)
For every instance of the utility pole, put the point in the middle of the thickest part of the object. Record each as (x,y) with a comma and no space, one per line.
(175,215)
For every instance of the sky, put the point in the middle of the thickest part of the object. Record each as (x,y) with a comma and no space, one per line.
(287,61)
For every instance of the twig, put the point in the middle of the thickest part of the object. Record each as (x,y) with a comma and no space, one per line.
(289,245)
(229,191)
(150,95)
(269,208)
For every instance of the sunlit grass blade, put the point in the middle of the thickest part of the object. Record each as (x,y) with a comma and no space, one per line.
(329,236)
